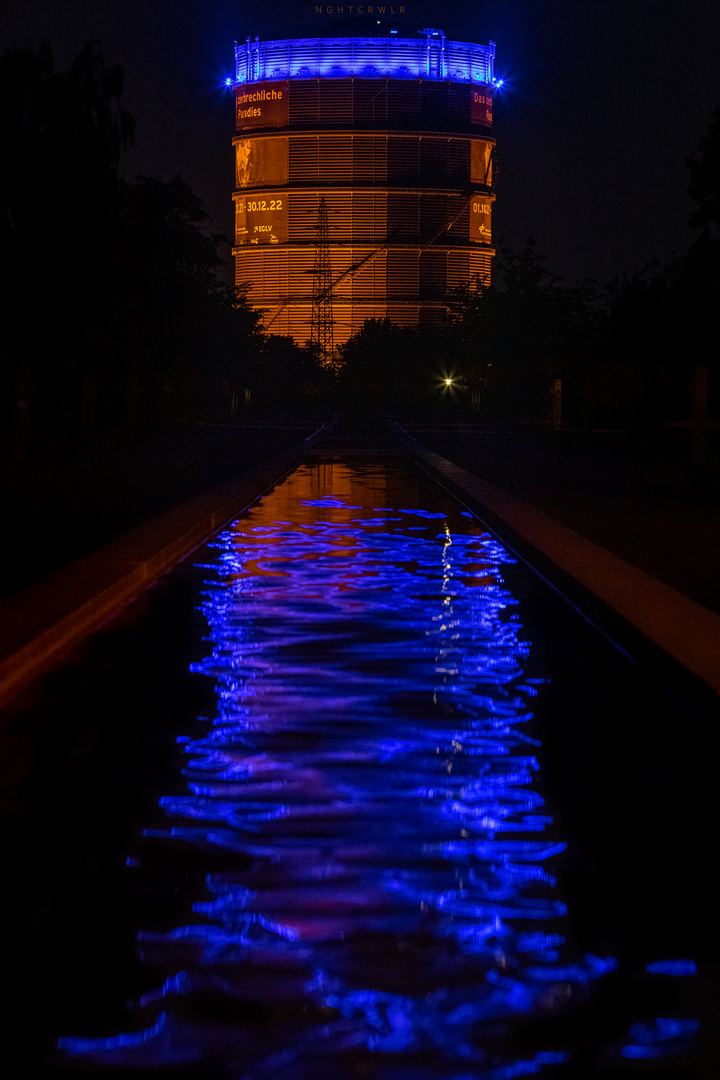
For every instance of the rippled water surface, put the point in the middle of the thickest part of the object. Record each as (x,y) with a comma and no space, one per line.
(380,898)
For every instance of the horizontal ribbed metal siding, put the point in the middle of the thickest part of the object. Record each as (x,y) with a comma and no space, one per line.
(380,103)
(466,266)
(354,216)
(365,58)
(411,283)
(372,216)
(348,158)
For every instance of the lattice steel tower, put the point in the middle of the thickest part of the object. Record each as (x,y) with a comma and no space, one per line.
(321,331)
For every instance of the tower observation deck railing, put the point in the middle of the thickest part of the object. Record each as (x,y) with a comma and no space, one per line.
(427,57)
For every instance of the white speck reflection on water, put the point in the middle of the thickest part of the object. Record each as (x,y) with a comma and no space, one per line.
(379,897)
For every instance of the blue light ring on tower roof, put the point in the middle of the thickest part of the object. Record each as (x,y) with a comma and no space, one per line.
(433,58)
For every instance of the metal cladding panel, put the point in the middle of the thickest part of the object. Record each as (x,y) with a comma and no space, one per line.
(370,102)
(458,231)
(403,165)
(432,280)
(335,101)
(393,104)
(433,161)
(369,158)
(304,104)
(343,157)
(276,274)
(459,105)
(458,161)
(370,281)
(369,217)
(296,321)
(434,215)
(403,105)
(403,274)
(335,156)
(403,216)
(404,314)
(410,275)
(465,267)
(304,165)
(354,216)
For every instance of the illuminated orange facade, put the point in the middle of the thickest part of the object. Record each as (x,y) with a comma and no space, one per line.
(396,136)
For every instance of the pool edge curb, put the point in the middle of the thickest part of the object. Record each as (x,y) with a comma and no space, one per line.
(679,627)
(43,621)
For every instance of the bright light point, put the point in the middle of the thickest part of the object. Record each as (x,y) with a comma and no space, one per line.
(448,382)
(228,81)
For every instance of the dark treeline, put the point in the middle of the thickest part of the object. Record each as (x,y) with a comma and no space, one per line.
(114,308)
(113,305)
(625,353)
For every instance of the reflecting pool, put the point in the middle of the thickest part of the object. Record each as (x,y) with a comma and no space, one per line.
(380,897)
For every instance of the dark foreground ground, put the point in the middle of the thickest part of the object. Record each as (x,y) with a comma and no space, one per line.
(72,493)
(639,497)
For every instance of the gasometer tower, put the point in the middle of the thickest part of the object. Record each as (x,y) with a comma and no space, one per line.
(393,136)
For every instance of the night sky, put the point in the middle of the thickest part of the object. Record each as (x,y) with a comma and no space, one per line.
(604,101)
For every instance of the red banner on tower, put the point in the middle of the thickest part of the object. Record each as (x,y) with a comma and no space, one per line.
(261,105)
(481,106)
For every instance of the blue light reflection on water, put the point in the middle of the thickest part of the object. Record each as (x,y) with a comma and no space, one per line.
(369,769)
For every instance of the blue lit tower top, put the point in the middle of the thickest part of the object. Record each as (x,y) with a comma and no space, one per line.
(429,56)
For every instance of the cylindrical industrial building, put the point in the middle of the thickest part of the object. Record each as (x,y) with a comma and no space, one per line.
(395,134)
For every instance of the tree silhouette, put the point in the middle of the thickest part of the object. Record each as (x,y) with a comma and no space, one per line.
(62,135)
(704,187)
(107,279)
